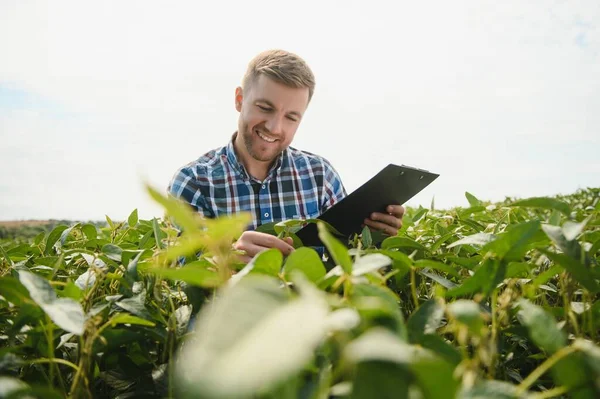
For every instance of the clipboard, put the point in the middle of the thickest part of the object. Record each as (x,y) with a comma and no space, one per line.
(393,185)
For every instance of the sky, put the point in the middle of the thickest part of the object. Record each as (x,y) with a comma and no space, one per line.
(97,98)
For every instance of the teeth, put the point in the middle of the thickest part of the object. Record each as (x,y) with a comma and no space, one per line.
(265,138)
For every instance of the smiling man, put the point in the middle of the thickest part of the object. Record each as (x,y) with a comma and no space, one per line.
(258,171)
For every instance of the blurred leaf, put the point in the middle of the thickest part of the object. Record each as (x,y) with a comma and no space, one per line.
(513,243)
(544,203)
(571,229)
(124,318)
(338,251)
(306,260)
(13,290)
(579,271)
(492,389)
(468,313)
(196,273)
(401,242)
(541,326)
(475,239)
(65,312)
(182,212)
(425,320)
(248,340)
(431,264)
(389,380)
(268,262)
(369,263)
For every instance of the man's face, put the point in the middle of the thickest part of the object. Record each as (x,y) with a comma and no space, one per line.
(270,113)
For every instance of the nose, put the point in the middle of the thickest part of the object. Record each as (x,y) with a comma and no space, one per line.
(275,124)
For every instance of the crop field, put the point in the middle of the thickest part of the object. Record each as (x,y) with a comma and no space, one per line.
(489,300)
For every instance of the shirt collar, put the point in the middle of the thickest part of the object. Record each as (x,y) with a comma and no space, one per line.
(239,167)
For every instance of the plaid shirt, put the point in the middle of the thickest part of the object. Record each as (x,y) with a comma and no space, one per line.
(300,185)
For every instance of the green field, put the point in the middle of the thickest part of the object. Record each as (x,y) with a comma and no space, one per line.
(482,301)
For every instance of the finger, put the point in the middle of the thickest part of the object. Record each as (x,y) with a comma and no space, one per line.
(396,210)
(389,230)
(391,220)
(289,240)
(269,241)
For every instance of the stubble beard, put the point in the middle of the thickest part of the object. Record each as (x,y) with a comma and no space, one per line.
(251,140)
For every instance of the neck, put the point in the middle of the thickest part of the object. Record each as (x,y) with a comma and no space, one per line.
(257,169)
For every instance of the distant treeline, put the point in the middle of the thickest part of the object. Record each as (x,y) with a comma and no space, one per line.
(29,229)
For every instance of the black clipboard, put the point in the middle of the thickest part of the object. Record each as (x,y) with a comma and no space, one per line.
(393,185)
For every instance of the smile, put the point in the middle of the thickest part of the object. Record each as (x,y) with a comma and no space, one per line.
(265,138)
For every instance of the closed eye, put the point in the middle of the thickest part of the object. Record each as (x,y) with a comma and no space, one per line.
(264,109)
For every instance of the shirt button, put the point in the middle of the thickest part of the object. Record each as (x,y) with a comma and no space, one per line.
(263,186)
(266,214)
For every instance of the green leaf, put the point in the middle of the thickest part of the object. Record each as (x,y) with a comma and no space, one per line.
(306,260)
(425,320)
(124,318)
(338,251)
(380,345)
(389,380)
(431,264)
(182,212)
(571,229)
(475,239)
(90,231)
(268,262)
(112,252)
(468,313)
(194,273)
(65,312)
(485,279)
(582,274)
(13,290)
(473,201)
(401,242)
(366,238)
(133,218)
(492,389)
(541,326)
(53,237)
(544,203)
(513,243)
(248,339)
(135,305)
(369,263)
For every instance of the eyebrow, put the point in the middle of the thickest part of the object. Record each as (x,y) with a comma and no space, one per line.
(270,104)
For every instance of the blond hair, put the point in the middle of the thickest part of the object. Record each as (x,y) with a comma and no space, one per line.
(283,67)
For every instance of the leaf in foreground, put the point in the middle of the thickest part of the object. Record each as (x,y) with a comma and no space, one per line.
(541,326)
(251,338)
(65,312)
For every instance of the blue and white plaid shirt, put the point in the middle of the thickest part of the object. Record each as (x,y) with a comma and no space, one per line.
(300,185)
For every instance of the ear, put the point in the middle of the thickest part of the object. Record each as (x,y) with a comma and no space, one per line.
(239,98)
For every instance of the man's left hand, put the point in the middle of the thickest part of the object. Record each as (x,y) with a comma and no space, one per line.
(390,222)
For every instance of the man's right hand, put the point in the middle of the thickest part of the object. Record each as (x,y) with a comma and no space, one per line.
(252,242)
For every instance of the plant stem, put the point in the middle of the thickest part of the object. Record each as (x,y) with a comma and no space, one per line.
(54,360)
(493,343)
(551,393)
(542,368)
(413,288)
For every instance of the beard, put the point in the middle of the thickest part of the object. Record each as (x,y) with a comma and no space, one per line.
(259,149)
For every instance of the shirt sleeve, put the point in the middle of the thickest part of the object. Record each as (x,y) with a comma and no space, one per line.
(185,187)
(333,190)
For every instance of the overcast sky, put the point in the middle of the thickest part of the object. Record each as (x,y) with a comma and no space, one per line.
(501,98)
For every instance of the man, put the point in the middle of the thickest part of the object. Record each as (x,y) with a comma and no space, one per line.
(258,171)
